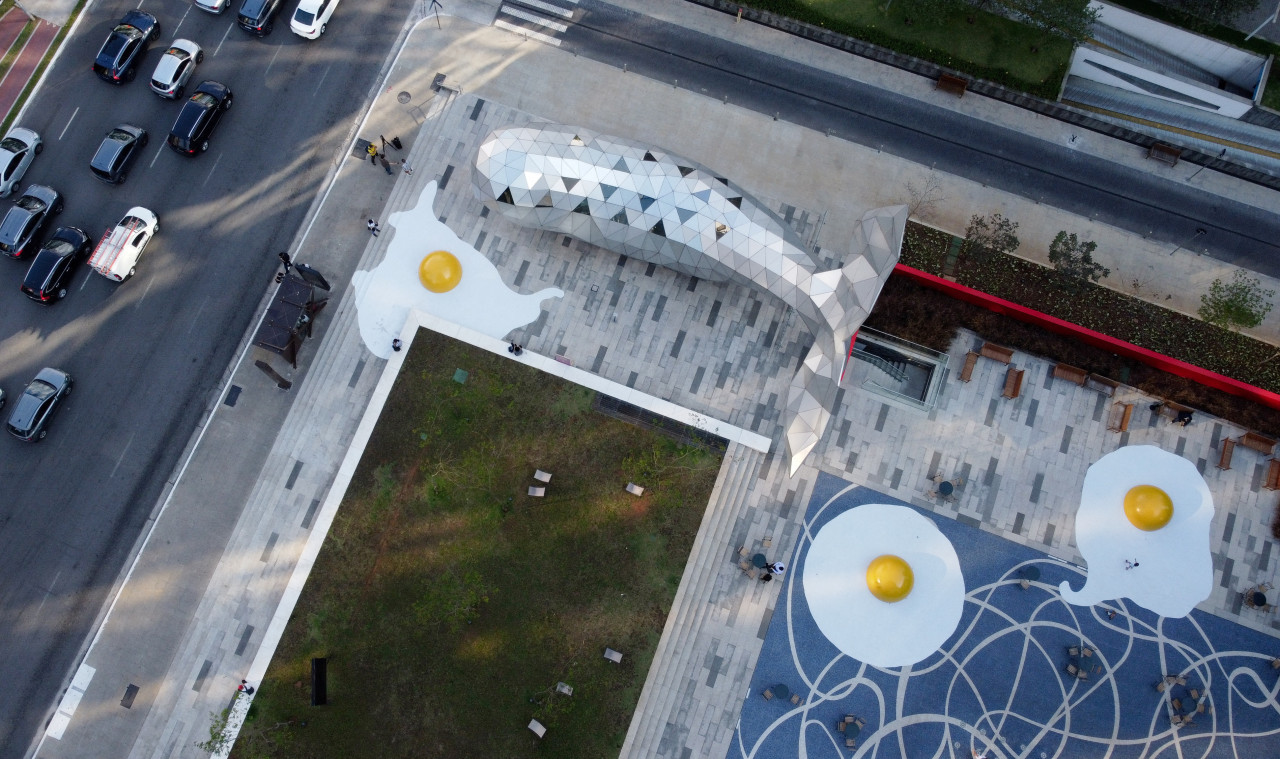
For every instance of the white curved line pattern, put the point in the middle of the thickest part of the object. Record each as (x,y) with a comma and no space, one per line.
(1000,684)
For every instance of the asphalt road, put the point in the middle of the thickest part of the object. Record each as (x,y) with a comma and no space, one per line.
(146,354)
(954,143)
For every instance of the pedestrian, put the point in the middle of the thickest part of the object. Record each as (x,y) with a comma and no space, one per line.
(372,150)
(976,755)
(373,227)
(1130,564)
(776,567)
(245,688)
(395,345)
(404,164)
(1183,418)
(382,158)
(1111,613)
(1156,406)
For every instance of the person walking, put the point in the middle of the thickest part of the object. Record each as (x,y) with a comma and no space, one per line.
(776,567)
(396,344)
(404,164)
(373,227)
(382,158)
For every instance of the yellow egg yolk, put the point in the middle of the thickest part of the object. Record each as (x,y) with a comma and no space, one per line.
(440,271)
(889,578)
(1148,507)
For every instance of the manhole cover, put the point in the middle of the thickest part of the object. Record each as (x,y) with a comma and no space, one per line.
(404,98)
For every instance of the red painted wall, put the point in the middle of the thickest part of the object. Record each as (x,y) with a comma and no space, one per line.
(1054,324)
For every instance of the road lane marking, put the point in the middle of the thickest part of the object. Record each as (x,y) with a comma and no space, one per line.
(520,30)
(224,39)
(145,291)
(535,19)
(210,174)
(156,157)
(548,8)
(273,62)
(179,24)
(122,453)
(321,82)
(68,126)
(87,275)
(199,311)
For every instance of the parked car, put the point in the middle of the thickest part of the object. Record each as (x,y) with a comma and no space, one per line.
(33,409)
(198,117)
(27,217)
(119,56)
(121,247)
(54,265)
(258,17)
(175,68)
(118,151)
(213,6)
(312,17)
(17,150)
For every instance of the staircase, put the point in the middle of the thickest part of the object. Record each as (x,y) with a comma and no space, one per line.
(676,675)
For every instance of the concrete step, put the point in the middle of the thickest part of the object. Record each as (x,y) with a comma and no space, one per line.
(677,658)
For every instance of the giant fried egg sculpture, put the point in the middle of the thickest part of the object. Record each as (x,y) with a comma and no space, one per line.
(1143,505)
(884,585)
(429,268)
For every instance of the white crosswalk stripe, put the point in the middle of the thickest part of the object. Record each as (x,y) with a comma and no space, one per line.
(541,20)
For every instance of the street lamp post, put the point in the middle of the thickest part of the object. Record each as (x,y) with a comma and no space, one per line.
(1221,155)
(1271,20)
(1200,232)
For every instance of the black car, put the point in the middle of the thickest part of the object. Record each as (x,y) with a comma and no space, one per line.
(118,59)
(54,265)
(199,115)
(27,217)
(257,17)
(117,152)
(34,408)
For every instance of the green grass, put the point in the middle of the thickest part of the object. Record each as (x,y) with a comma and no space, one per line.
(449,602)
(978,43)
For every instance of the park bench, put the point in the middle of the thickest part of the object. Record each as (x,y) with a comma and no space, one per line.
(1253,440)
(1165,153)
(1121,413)
(956,85)
(1273,475)
(1228,447)
(997,353)
(1100,384)
(970,361)
(1070,374)
(1013,382)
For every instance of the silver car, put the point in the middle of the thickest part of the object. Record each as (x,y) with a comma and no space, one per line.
(175,68)
(213,6)
(18,148)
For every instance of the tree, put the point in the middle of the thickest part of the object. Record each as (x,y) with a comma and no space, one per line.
(928,8)
(1066,18)
(1242,303)
(1218,11)
(988,235)
(1074,258)
(923,199)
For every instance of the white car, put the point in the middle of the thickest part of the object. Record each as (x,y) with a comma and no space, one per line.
(117,254)
(312,17)
(175,68)
(213,6)
(17,150)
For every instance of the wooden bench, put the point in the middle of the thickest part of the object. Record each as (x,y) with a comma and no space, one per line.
(956,85)
(1228,447)
(997,353)
(1273,475)
(970,361)
(1100,384)
(1070,374)
(1121,414)
(1013,382)
(1253,440)
(1165,153)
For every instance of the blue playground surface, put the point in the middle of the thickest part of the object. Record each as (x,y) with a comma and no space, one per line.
(1000,683)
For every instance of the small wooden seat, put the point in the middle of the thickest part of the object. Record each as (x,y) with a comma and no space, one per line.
(1160,686)
(1025,585)
(841,725)
(1275,663)
(997,353)
(767,542)
(955,85)
(613,656)
(1228,447)
(1195,693)
(542,476)
(1086,652)
(1072,670)
(850,743)
(1073,651)
(1177,704)
(1013,382)
(1272,481)
(537,492)
(860,722)
(744,565)
(1070,374)
(1082,675)
(768,694)
(1253,440)
(1121,415)
(970,361)
(795,698)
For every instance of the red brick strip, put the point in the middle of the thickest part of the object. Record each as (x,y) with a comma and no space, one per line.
(15,81)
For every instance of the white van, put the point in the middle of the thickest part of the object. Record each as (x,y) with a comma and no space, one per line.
(118,252)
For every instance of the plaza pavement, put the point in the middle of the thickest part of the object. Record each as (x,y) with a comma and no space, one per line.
(201,599)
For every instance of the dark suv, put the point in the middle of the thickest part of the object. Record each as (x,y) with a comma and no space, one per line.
(257,17)
(27,217)
(55,264)
(117,61)
(199,115)
(34,408)
(117,152)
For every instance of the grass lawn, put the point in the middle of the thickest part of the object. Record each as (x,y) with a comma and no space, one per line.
(979,43)
(449,603)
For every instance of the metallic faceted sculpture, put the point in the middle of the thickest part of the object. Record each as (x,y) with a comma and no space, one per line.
(657,207)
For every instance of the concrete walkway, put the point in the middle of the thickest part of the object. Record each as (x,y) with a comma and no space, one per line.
(191,620)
